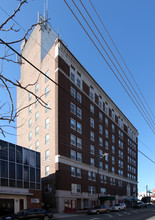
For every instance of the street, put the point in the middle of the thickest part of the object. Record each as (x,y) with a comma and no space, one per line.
(130,214)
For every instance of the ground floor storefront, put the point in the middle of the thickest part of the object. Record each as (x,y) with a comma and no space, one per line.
(67,202)
(13,200)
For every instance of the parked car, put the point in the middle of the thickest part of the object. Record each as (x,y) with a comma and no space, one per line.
(140,205)
(119,207)
(99,209)
(30,214)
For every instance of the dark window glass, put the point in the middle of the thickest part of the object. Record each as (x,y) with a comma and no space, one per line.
(32,159)
(4,169)
(3,150)
(32,174)
(12,152)
(26,156)
(19,184)
(26,173)
(12,170)
(32,185)
(37,159)
(18,154)
(19,172)
(4,182)
(12,183)
(26,184)
(38,175)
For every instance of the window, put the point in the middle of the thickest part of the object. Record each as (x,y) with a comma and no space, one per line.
(73,124)
(92,122)
(105,179)
(113,169)
(100,164)
(91,189)
(113,138)
(36,131)
(91,95)
(73,92)
(106,121)
(89,175)
(36,103)
(91,108)
(101,178)
(37,145)
(79,143)
(79,113)
(30,147)
(100,152)
(106,157)
(73,140)
(91,149)
(92,162)
(92,136)
(79,83)
(73,108)
(30,109)
(103,191)
(36,88)
(46,91)
(79,97)
(78,173)
(113,149)
(76,188)
(106,133)
(46,77)
(47,107)
(100,116)
(30,96)
(106,167)
(101,141)
(113,128)
(79,127)
(73,155)
(106,108)
(47,169)
(47,155)
(30,136)
(94,177)
(113,114)
(100,129)
(113,160)
(100,102)
(106,145)
(30,123)
(73,173)
(79,157)
(36,116)
(72,76)
(47,122)
(46,139)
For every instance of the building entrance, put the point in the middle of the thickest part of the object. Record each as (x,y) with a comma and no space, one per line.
(6,206)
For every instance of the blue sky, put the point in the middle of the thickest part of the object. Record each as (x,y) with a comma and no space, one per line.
(131,26)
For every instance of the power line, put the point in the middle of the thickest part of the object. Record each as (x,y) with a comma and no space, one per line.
(121,57)
(118,64)
(110,67)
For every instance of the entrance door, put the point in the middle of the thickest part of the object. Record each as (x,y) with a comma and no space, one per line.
(21,204)
(6,206)
(78,204)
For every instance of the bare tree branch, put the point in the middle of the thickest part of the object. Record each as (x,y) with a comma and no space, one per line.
(15,12)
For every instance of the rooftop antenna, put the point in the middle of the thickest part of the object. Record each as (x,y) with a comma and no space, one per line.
(45,10)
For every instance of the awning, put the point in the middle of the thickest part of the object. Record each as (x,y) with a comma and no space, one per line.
(103,198)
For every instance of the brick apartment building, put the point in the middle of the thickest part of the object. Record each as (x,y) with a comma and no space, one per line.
(82,124)
(20,181)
